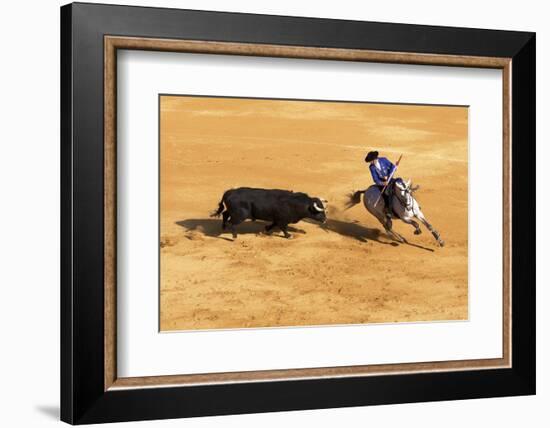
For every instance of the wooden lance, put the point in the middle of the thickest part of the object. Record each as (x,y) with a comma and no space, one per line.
(388,180)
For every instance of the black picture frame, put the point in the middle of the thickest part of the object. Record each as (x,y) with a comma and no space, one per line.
(83,398)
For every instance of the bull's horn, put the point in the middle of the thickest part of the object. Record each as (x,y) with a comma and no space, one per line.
(317,207)
(324,201)
(408,183)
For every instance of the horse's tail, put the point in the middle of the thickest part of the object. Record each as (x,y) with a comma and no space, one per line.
(353,198)
(217,213)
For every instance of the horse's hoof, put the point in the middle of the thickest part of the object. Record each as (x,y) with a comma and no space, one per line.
(441,243)
(417,232)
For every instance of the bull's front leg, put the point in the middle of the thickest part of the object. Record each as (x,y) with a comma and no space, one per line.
(283,227)
(269,227)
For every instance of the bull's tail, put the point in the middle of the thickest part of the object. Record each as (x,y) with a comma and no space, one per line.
(217,213)
(353,198)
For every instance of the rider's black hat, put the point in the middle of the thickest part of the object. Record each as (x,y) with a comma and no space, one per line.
(371,156)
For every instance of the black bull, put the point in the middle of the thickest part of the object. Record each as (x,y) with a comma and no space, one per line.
(280,207)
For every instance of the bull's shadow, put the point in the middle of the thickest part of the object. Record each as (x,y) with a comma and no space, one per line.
(213,227)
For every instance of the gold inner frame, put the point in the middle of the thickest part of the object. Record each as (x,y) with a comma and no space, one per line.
(112,43)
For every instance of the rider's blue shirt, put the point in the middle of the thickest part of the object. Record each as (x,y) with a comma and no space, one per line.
(382,172)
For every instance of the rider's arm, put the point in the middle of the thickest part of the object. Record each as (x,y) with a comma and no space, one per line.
(376,177)
(390,166)
(393,168)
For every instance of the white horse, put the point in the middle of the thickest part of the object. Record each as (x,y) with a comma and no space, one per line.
(405,207)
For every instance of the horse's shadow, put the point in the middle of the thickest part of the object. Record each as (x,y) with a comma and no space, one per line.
(362,233)
(213,227)
(355,230)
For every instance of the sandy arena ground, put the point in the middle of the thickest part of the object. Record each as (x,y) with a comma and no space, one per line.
(346,271)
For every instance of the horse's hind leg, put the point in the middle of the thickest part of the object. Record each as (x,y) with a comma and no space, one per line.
(387,223)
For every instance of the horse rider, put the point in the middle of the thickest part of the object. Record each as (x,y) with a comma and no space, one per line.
(382,169)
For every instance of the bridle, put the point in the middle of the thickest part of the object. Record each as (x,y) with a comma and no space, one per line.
(408,202)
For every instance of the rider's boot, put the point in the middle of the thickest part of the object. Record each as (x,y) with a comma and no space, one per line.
(387,207)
